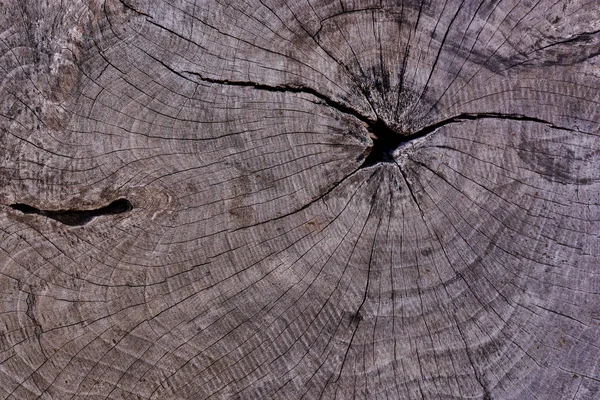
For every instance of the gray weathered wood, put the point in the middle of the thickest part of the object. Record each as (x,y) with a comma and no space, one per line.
(201,199)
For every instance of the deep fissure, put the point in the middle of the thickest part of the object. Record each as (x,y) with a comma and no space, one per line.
(76,217)
(385,139)
(385,142)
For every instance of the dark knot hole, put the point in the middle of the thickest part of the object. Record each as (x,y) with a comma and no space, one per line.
(76,217)
(385,142)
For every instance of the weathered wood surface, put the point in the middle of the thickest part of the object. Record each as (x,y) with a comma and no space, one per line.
(276,247)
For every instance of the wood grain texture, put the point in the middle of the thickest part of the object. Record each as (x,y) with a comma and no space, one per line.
(308,199)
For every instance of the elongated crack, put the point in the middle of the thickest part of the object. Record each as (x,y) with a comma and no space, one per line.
(135,10)
(76,217)
(385,139)
(30,301)
(580,37)
(289,89)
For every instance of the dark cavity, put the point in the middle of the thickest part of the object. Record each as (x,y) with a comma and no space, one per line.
(76,217)
(385,142)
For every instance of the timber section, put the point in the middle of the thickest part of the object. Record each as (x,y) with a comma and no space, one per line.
(315,199)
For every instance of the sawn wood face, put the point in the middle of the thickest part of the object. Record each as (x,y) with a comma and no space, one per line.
(299,199)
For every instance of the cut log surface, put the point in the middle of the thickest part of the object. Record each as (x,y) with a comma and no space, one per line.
(303,199)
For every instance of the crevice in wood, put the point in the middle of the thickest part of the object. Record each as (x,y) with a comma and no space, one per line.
(385,142)
(580,37)
(477,116)
(310,203)
(412,194)
(30,301)
(385,139)
(129,7)
(480,379)
(289,89)
(76,217)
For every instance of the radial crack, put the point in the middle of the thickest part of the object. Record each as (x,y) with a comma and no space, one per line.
(129,7)
(580,37)
(386,140)
(476,116)
(290,89)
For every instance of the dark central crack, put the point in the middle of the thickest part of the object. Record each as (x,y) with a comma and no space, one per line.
(76,217)
(386,140)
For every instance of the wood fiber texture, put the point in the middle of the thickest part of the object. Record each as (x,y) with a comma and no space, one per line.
(303,199)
